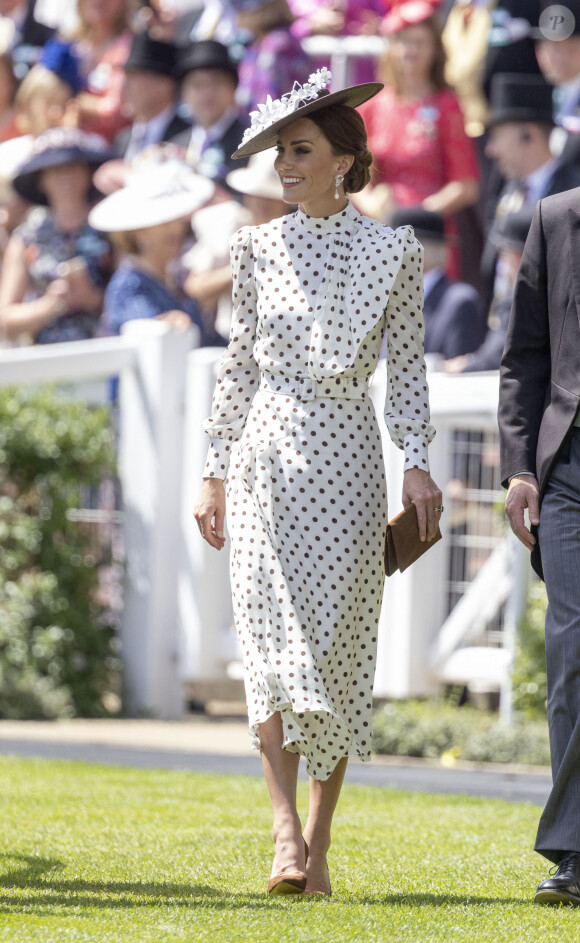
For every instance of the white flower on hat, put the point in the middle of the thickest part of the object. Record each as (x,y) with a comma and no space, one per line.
(273,110)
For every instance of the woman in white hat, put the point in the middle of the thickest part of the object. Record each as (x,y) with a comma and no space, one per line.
(314,293)
(148,221)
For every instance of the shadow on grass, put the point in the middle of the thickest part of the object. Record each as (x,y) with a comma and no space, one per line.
(32,874)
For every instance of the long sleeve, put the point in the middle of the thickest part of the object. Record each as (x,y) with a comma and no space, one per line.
(407,407)
(239,373)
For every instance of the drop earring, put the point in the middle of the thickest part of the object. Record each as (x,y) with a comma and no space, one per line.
(337,182)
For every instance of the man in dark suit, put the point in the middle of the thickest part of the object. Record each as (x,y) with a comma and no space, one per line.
(28,34)
(540,460)
(520,126)
(558,54)
(209,79)
(150,96)
(453,312)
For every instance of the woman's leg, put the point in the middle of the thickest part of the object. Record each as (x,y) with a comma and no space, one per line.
(281,772)
(323,799)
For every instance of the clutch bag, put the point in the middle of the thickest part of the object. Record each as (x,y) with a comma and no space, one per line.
(402,543)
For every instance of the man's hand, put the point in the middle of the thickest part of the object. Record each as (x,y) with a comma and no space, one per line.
(523,492)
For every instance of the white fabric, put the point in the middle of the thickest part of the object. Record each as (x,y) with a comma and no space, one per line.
(306,496)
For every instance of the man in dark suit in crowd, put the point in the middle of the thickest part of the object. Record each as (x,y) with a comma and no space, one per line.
(540,461)
(511,234)
(28,35)
(520,125)
(150,96)
(454,315)
(558,54)
(209,79)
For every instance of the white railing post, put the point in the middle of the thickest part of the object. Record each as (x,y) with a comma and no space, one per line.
(151,399)
(208,642)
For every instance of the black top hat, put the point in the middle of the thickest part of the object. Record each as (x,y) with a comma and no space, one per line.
(558,21)
(427,225)
(512,230)
(152,56)
(520,98)
(206,54)
(55,148)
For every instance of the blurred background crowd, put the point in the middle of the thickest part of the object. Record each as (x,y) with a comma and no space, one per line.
(118,118)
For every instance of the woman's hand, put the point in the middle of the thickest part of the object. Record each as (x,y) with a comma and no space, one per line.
(420,489)
(178,320)
(210,512)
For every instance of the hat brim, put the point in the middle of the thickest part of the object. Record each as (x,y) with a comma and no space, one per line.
(247,182)
(127,210)
(519,116)
(27,180)
(353,97)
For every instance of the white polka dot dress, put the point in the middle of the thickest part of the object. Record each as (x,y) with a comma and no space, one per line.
(306,495)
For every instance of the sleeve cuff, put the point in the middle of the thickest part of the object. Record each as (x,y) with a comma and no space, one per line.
(415,448)
(218,458)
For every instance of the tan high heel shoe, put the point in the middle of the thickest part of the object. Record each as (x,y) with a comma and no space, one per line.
(288,882)
(327,893)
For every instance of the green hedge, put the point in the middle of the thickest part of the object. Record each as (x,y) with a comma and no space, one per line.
(58,649)
(433,728)
(529,676)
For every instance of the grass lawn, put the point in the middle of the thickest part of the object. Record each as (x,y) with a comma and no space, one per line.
(102,853)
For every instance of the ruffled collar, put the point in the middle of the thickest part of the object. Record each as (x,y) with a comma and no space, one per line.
(335,223)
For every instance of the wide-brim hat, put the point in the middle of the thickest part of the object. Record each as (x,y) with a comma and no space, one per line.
(56,148)
(157,194)
(206,54)
(258,178)
(520,98)
(300,102)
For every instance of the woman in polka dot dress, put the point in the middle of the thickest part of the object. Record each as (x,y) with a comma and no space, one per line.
(314,294)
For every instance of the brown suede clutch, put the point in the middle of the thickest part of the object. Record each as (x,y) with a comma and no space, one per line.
(402,543)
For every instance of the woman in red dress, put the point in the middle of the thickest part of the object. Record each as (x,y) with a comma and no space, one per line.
(416,130)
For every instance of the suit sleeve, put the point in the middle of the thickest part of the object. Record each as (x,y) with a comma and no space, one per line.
(525,366)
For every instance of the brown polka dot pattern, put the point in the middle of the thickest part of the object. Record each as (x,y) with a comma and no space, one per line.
(306,495)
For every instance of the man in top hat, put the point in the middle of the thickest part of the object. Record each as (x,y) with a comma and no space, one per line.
(453,312)
(558,54)
(209,79)
(520,125)
(150,97)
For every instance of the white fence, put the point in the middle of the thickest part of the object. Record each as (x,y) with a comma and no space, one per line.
(177,623)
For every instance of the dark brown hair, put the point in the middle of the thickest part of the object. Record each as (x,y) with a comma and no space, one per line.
(387,72)
(345,131)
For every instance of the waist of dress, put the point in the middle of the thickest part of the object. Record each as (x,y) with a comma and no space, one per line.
(307,388)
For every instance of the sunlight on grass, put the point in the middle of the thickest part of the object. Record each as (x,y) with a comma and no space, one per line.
(107,854)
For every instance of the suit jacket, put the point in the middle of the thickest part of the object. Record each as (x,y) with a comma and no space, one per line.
(454,318)
(540,369)
(217,162)
(176,127)
(565,177)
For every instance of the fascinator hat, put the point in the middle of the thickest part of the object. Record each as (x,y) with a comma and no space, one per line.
(300,102)
(408,13)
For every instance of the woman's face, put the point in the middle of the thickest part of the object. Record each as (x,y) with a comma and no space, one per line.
(68,183)
(413,51)
(101,13)
(306,164)
(164,240)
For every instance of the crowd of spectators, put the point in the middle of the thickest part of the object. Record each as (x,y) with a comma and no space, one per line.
(118,118)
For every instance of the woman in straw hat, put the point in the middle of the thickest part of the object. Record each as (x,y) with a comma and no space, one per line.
(314,293)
